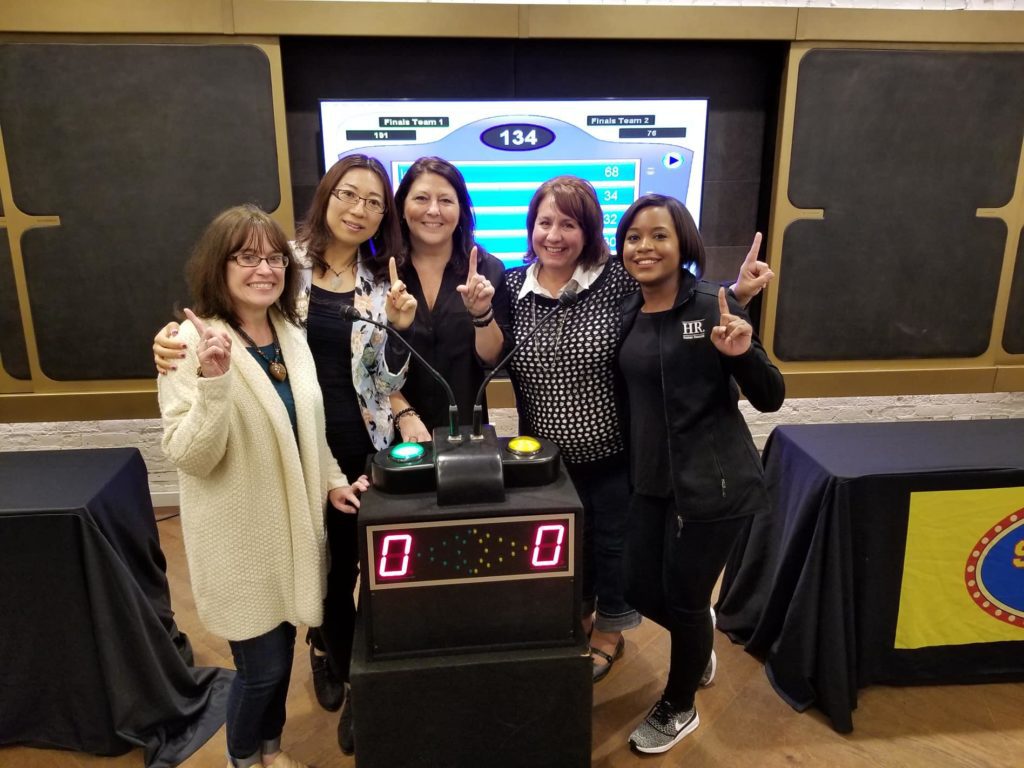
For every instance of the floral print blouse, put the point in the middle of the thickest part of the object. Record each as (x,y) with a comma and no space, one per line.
(371,377)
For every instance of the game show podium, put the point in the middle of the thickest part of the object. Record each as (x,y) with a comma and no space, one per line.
(469,650)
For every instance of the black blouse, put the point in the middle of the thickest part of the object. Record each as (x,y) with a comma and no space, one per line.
(330,340)
(446,338)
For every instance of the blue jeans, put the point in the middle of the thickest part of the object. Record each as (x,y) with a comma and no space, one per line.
(256,701)
(603,487)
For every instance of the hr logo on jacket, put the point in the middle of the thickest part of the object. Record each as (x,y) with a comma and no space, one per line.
(693,329)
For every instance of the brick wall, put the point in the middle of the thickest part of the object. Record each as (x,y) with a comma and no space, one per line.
(144,434)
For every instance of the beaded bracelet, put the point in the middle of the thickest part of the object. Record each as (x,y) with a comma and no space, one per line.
(405,412)
(483,320)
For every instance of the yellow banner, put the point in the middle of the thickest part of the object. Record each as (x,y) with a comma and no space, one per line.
(963,569)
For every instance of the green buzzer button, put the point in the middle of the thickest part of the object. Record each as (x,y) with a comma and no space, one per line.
(404,453)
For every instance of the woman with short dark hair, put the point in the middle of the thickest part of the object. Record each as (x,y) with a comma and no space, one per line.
(686,352)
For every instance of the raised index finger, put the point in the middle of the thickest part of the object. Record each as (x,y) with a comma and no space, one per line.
(723,305)
(199,324)
(393,270)
(755,249)
(472,264)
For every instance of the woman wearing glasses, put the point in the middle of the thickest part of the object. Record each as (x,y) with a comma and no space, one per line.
(345,245)
(243,422)
(462,305)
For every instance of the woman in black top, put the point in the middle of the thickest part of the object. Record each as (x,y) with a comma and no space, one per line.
(696,475)
(462,311)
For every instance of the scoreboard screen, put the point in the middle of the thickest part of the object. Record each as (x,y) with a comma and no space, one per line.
(470,551)
(506,149)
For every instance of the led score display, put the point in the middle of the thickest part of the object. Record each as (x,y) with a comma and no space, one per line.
(422,554)
(506,149)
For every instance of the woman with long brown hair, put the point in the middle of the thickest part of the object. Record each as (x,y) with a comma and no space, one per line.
(243,422)
(346,248)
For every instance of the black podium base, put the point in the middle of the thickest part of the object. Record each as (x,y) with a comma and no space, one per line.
(501,710)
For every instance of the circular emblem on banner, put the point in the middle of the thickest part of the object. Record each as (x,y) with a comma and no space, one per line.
(994,573)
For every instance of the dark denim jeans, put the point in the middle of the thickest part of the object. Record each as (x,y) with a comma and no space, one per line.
(256,702)
(603,487)
(671,572)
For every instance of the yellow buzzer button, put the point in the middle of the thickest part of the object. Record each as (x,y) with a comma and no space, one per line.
(524,446)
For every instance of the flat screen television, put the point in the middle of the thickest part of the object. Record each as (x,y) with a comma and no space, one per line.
(506,149)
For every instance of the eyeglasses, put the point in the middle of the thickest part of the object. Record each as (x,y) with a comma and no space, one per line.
(251,259)
(351,199)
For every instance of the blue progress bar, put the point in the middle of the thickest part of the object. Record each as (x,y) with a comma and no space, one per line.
(505,243)
(536,172)
(504,197)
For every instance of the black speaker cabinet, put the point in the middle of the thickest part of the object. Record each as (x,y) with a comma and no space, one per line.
(502,709)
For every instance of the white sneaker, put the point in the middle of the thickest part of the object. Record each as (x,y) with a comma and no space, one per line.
(709,670)
(663,728)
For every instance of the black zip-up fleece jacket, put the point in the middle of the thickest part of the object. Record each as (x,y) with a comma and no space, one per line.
(716,469)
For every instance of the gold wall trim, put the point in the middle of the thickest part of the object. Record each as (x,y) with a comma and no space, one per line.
(1009,379)
(825,24)
(876,383)
(13,225)
(500,394)
(1012,215)
(983,373)
(661,22)
(80,406)
(46,399)
(118,16)
(319,17)
(328,17)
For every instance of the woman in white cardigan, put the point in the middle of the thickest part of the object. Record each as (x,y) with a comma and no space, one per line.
(243,422)
(344,248)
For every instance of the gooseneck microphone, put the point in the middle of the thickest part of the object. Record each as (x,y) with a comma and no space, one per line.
(566,299)
(351,313)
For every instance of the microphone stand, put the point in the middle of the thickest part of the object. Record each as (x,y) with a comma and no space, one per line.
(566,299)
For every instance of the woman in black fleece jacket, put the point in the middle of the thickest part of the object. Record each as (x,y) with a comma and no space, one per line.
(686,352)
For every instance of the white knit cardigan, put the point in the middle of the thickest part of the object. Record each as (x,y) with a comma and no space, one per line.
(252,500)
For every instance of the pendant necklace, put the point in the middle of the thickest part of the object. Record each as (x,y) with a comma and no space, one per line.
(277,369)
(339,276)
(549,353)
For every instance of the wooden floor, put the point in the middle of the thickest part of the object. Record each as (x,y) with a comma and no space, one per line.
(743,721)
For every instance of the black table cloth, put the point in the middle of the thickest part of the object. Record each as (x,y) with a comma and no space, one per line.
(90,662)
(813,586)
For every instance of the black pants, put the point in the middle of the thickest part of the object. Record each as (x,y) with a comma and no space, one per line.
(671,570)
(334,636)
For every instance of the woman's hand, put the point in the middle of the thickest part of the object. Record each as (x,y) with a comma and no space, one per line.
(167,349)
(754,275)
(732,335)
(413,430)
(477,292)
(214,348)
(400,304)
(346,498)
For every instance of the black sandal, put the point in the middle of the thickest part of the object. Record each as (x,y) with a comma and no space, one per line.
(601,671)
